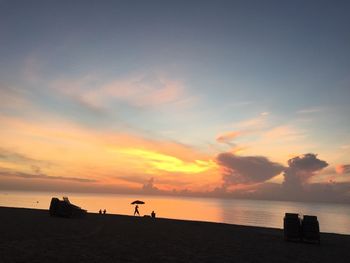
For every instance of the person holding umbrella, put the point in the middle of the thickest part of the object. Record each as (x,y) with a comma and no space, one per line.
(136,210)
(137,202)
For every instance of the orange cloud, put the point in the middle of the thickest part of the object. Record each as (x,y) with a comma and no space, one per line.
(238,149)
(228,136)
(102,156)
(342,168)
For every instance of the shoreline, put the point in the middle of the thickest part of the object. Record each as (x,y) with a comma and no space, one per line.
(31,235)
(171,219)
(332,218)
(174,219)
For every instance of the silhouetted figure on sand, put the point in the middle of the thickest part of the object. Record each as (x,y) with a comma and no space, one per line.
(153,215)
(136,210)
(100,212)
(104,211)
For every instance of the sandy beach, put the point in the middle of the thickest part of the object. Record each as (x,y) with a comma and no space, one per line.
(28,235)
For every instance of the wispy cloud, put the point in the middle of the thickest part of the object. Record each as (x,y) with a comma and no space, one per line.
(345,147)
(38,175)
(13,98)
(284,133)
(311,110)
(227,136)
(147,90)
(254,124)
(12,156)
(243,128)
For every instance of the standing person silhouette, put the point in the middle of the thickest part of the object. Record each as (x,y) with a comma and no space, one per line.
(136,210)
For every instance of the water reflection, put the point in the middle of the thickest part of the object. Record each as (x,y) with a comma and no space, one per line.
(332,217)
(244,212)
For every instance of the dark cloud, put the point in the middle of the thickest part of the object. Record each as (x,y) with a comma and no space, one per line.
(247,169)
(296,185)
(36,174)
(140,179)
(149,187)
(132,178)
(300,170)
(308,163)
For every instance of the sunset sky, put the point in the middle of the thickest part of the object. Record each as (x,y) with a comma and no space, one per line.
(214,98)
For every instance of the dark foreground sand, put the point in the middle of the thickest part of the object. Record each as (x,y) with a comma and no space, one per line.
(33,236)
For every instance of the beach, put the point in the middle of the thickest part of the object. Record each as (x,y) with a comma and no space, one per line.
(31,235)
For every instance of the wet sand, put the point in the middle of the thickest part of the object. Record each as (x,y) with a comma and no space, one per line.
(28,235)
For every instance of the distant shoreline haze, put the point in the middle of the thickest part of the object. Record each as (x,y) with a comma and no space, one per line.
(325,193)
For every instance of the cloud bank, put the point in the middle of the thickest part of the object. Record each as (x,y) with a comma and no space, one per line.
(252,173)
(247,169)
(300,170)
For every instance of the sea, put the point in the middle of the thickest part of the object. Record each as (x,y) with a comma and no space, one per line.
(333,218)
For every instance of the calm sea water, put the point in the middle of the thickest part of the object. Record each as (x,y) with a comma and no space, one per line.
(333,218)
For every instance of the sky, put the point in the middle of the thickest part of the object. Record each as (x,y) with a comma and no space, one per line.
(230,99)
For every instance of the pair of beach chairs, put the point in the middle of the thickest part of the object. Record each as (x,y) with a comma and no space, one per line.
(306,229)
(64,208)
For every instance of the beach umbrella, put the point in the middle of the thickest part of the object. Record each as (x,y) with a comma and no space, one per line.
(137,202)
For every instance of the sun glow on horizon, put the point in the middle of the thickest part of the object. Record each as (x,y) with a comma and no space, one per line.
(166,162)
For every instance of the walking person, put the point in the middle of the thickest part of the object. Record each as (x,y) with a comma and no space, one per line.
(136,210)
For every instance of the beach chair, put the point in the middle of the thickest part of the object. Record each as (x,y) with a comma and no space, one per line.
(292,227)
(65,198)
(54,206)
(310,229)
